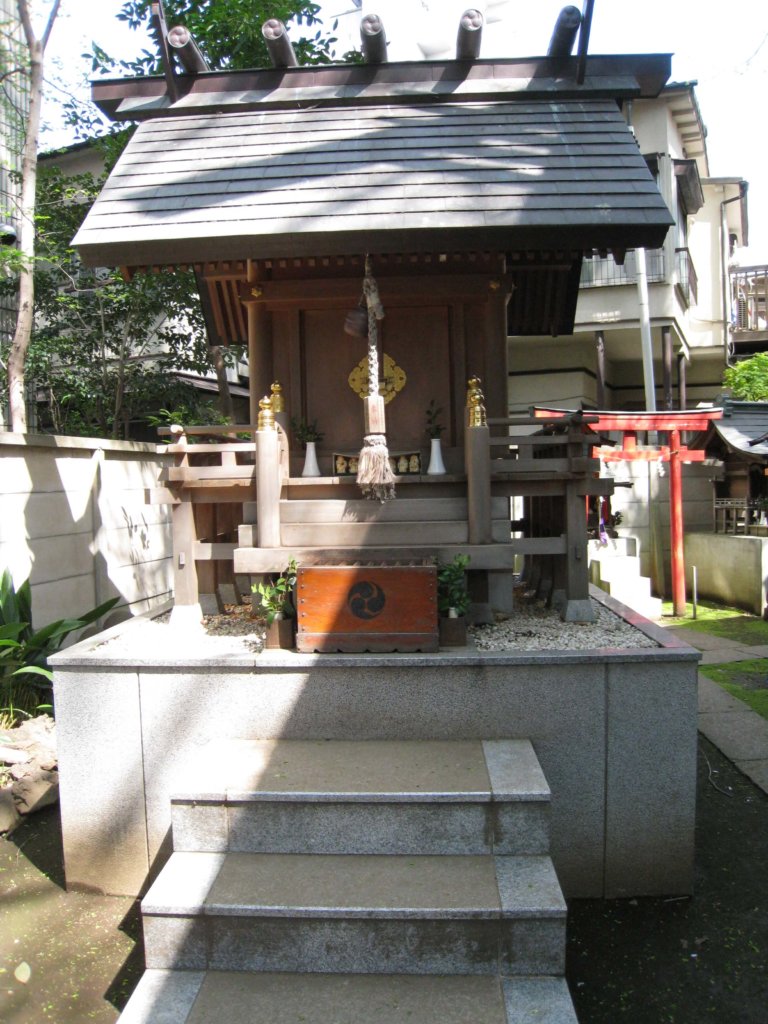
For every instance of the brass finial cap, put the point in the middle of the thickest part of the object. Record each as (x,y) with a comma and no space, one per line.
(278,402)
(266,416)
(475,403)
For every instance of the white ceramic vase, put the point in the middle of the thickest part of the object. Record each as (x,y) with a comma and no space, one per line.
(311,467)
(436,464)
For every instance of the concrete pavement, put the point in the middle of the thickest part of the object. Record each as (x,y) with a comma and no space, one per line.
(734,728)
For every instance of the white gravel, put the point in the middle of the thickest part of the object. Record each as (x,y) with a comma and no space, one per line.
(532,627)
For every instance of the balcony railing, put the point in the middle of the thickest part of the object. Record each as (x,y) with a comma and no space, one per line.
(603,271)
(687,281)
(749,288)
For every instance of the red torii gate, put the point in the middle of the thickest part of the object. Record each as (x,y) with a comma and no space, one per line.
(675,453)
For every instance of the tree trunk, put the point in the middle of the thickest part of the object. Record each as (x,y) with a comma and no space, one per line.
(225,397)
(24,321)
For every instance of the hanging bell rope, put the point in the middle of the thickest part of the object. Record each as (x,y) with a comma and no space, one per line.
(374,472)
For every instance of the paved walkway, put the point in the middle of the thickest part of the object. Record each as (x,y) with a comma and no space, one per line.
(734,728)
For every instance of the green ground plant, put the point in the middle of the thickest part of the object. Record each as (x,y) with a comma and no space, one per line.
(274,597)
(746,680)
(25,679)
(452,586)
(718,620)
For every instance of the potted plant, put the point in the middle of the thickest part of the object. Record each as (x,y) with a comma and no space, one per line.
(434,430)
(273,598)
(453,601)
(309,435)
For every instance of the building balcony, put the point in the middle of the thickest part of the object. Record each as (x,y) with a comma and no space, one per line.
(603,271)
(687,283)
(749,323)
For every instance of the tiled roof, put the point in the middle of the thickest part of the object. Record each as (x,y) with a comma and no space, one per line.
(507,174)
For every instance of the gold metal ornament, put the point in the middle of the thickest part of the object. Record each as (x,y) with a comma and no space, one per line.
(278,402)
(266,419)
(393,382)
(475,403)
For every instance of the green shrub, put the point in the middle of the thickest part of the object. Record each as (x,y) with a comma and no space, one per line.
(25,679)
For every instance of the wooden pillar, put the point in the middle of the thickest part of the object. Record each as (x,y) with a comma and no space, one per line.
(666,356)
(260,369)
(477,455)
(600,354)
(577,607)
(494,371)
(268,488)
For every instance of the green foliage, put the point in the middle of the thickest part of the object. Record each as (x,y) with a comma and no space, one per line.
(434,427)
(304,431)
(275,596)
(104,350)
(193,412)
(24,651)
(452,586)
(747,380)
(228,32)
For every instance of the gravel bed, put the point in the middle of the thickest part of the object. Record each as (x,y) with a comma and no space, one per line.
(532,627)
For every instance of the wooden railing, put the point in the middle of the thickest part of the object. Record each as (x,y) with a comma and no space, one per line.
(554,471)
(740,515)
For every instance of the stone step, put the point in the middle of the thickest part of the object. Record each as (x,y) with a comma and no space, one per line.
(253,560)
(616,569)
(356,914)
(635,594)
(403,510)
(214,997)
(616,547)
(371,797)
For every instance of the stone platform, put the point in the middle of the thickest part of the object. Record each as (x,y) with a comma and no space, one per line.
(613,729)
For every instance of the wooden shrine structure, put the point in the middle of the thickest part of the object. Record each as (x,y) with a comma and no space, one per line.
(473,187)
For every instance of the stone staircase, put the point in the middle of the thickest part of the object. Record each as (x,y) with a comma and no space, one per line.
(615,568)
(382,881)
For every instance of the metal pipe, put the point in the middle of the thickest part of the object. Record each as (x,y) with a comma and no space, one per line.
(470,35)
(726,277)
(184,46)
(373,39)
(646,339)
(279,45)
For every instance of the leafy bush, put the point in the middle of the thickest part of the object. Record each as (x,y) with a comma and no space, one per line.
(25,679)
(275,597)
(452,586)
(748,379)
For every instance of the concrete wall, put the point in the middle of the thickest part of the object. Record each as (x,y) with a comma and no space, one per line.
(615,733)
(645,510)
(73,520)
(731,570)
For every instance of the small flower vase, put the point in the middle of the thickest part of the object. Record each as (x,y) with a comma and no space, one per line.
(436,464)
(311,467)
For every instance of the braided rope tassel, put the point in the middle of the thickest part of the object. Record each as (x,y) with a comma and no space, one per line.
(374,472)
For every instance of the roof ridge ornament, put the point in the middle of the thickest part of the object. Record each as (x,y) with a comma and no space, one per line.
(281,51)
(373,39)
(470,34)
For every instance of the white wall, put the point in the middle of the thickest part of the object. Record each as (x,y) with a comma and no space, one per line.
(73,519)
